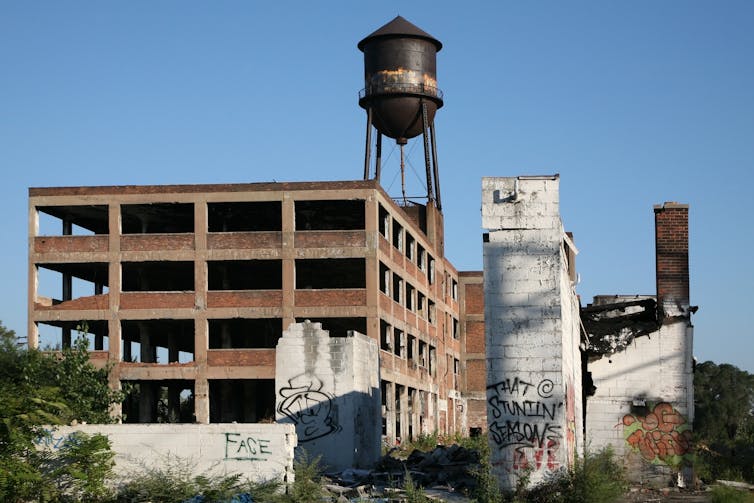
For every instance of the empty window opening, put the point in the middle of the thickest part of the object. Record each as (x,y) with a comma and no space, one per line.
(400,390)
(245,333)
(410,297)
(384,403)
(397,288)
(411,348)
(432,312)
(399,342)
(245,274)
(244,216)
(421,304)
(432,360)
(421,257)
(157,341)
(456,331)
(158,218)
(242,400)
(339,327)
(454,289)
(422,354)
(384,223)
(410,247)
(330,215)
(412,409)
(56,335)
(397,236)
(81,220)
(385,279)
(386,336)
(164,276)
(330,273)
(431,270)
(58,283)
(164,401)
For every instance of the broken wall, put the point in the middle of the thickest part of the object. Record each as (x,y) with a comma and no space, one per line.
(329,389)
(258,452)
(531,331)
(643,401)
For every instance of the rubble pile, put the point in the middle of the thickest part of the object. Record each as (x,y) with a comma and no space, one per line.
(447,468)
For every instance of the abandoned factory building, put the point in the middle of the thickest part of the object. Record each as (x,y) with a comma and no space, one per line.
(332,306)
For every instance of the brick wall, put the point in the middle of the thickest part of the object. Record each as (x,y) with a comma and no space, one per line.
(672,254)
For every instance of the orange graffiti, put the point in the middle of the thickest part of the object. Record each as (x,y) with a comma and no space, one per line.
(659,435)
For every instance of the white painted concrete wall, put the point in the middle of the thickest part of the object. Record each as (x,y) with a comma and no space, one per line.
(652,370)
(531,331)
(329,388)
(257,451)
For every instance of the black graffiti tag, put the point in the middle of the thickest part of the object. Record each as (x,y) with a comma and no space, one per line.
(506,433)
(310,409)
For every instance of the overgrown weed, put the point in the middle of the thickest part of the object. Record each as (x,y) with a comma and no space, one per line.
(725,494)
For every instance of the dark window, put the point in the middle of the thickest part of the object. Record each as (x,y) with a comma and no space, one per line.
(330,215)
(244,216)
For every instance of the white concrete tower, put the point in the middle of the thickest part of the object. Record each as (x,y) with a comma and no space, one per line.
(532,330)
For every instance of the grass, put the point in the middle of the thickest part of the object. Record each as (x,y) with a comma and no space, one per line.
(724,494)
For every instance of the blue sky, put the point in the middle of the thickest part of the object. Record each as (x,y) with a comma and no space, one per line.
(633,103)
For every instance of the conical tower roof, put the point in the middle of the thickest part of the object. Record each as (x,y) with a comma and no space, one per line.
(399,27)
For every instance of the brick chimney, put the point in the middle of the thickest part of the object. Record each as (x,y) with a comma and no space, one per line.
(672,257)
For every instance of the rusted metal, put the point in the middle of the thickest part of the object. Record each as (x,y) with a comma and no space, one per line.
(378,157)
(401,95)
(399,75)
(425,135)
(435,166)
(368,152)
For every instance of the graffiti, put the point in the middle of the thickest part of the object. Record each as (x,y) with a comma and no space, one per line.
(53,440)
(662,436)
(310,408)
(526,419)
(239,448)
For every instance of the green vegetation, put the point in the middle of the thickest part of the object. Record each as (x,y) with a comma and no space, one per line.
(174,480)
(307,484)
(37,389)
(414,492)
(724,422)
(723,494)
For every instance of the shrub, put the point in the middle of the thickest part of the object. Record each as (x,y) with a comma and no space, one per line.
(307,484)
(173,480)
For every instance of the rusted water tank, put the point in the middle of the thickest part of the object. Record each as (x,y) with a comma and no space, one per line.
(400,74)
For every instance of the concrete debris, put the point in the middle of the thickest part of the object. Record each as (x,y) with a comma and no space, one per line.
(613,327)
(442,471)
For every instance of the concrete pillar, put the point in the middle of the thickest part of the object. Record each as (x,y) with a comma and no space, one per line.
(201,400)
(288,255)
(526,295)
(67,286)
(173,353)
(99,339)
(147,401)
(147,351)
(174,402)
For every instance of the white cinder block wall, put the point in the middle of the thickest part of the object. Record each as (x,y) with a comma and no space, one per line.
(531,331)
(329,389)
(258,452)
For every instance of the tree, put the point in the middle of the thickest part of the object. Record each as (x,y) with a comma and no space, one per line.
(38,389)
(724,421)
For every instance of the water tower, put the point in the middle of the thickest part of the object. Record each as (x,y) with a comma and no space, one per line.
(401,96)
